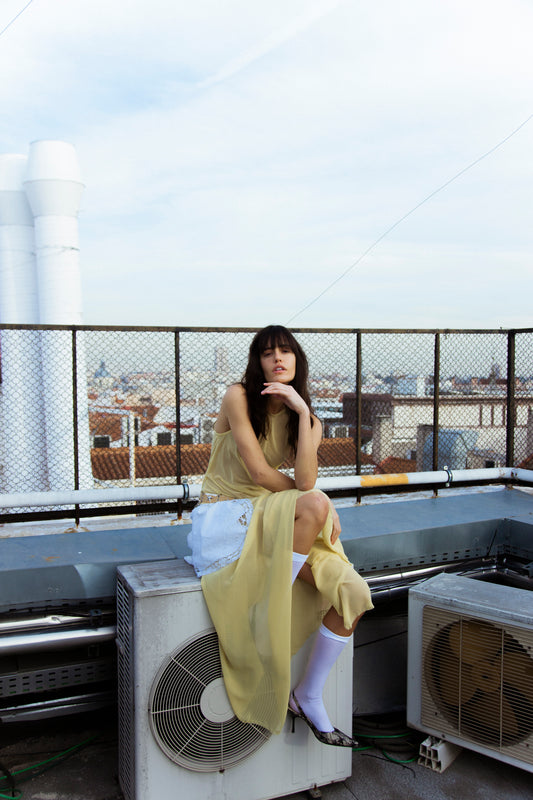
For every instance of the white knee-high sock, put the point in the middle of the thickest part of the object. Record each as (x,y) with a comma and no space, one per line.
(326,649)
(298,560)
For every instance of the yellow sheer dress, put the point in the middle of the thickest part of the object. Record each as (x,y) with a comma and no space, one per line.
(259,618)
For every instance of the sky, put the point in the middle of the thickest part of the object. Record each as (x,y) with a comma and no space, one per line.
(316,163)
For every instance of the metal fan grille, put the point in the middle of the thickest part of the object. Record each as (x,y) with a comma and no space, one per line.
(478,681)
(192,738)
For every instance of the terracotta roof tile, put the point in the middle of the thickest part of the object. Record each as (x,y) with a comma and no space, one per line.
(102,423)
(112,463)
(338,452)
(393,466)
(527,463)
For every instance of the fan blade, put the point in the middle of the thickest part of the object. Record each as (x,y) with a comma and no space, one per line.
(454,680)
(518,673)
(487,675)
(473,641)
(483,716)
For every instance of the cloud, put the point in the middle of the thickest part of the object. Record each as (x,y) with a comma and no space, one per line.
(258,151)
(271,42)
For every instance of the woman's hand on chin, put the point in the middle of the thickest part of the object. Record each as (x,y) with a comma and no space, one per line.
(288,395)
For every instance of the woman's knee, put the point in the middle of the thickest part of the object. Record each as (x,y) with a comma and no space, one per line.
(315,505)
(355,593)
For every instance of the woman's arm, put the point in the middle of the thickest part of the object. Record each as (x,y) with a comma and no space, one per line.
(306,461)
(234,415)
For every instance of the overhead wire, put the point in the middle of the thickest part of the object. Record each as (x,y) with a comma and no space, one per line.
(10,23)
(408,214)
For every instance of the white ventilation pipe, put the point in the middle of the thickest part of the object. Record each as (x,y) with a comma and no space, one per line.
(53,186)
(18,275)
(185,491)
(21,404)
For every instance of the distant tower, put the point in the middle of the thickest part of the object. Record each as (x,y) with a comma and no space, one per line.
(495,372)
(221,360)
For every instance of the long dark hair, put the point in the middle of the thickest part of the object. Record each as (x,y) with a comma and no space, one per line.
(253,380)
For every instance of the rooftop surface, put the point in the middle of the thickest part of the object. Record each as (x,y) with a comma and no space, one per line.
(89,771)
(76,757)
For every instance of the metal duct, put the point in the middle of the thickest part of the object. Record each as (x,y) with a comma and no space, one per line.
(54,189)
(21,405)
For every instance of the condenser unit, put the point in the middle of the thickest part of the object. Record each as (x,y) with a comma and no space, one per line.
(178,734)
(470,666)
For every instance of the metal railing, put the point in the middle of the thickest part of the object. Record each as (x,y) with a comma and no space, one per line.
(87,407)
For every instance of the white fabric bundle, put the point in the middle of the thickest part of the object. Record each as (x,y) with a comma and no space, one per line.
(218,533)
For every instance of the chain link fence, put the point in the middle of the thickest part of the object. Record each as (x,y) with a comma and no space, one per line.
(90,407)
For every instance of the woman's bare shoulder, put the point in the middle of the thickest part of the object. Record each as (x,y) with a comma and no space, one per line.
(235,390)
(233,405)
(235,397)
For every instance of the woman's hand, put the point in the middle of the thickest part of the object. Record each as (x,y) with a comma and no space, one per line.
(309,432)
(336,530)
(288,395)
(234,416)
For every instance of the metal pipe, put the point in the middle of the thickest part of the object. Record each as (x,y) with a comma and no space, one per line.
(444,476)
(48,622)
(25,643)
(185,491)
(92,496)
(395,586)
(413,575)
(521,474)
(43,709)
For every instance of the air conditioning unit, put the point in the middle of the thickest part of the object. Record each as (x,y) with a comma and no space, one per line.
(178,734)
(470,666)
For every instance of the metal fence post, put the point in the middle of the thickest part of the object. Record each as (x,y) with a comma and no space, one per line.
(177,385)
(75,426)
(358,390)
(436,401)
(511,405)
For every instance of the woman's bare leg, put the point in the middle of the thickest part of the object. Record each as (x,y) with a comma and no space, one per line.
(330,641)
(332,620)
(310,517)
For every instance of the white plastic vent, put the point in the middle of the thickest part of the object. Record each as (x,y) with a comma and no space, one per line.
(190,714)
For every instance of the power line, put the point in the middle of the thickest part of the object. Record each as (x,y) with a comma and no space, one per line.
(15,18)
(408,214)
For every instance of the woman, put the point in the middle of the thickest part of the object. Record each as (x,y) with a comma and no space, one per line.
(255,527)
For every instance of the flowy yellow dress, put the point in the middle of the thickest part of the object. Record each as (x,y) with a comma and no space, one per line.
(261,620)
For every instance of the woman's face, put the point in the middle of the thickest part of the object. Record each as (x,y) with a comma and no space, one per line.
(278,364)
